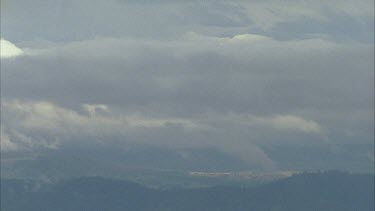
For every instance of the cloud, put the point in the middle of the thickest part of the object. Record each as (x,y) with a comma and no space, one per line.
(109,85)
(52,122)
(55,21)
(290,122)
(93,108)
(239,38)
(6,143)
(290,11)
(43,125)
(46,117)
(9,50)
(199,74)
(239,76)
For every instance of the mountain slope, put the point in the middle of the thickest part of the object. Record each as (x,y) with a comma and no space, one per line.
(304,192)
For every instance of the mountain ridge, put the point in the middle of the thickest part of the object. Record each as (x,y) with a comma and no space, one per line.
(326,191)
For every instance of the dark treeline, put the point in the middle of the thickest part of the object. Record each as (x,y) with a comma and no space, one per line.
(329,191)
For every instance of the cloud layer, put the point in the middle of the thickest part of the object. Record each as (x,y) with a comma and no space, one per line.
(236,76)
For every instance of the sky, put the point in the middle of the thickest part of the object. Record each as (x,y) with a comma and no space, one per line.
(242,77)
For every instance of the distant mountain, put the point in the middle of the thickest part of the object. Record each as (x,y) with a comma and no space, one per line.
(78,162)
(152,166)
(329,191)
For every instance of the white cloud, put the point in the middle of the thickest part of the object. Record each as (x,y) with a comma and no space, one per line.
(40,124)
(249,37)
(33,120)
(93,108)
(9,50)
(244,38)
(272,124)
(290,122)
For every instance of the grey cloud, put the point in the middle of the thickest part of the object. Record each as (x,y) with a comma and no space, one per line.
(66,21)
(217,74)
(244,77)
(44,125)
(189,77)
